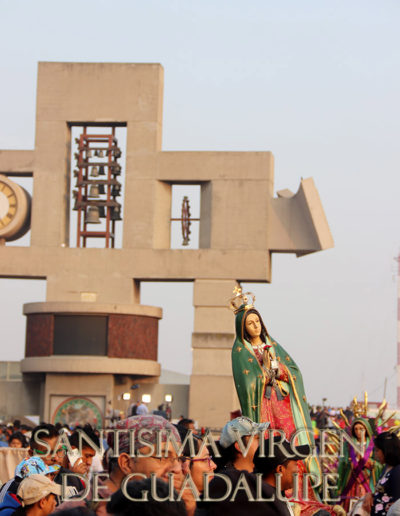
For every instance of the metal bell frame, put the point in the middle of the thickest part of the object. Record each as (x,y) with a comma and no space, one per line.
(88,200)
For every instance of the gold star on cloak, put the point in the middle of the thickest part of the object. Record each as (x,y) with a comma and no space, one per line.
(246,371)
(254,407)
(250,360)
(239,349)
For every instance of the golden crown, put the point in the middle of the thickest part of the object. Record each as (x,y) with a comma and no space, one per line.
(240,300)
(360,409)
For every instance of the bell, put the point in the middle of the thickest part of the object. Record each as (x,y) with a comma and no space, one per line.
(100,154)
(116,190)
(94,191)
(96,152)
(116,213)
(88,153)
(102,212)
(75,195)
(94,172)
(76,156)
(117,153)
(93,216)
(116,169)
(76,173)
(102,190)
(101,171)
(76,140)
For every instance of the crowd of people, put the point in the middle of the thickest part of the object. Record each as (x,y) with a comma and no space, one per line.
(231,475)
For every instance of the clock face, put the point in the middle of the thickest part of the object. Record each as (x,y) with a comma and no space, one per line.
(15,204)
(8,204)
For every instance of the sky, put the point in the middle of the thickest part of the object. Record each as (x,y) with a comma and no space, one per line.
(316,83)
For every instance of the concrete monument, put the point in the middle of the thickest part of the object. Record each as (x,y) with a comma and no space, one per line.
(241,224)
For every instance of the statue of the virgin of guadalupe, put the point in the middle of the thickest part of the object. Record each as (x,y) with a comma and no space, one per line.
(268,381)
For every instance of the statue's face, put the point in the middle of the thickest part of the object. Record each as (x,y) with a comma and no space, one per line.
(253,325)
(360,431)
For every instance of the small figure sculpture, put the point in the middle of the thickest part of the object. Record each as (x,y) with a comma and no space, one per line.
(359,473)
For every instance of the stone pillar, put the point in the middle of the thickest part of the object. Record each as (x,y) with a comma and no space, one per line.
(212,392)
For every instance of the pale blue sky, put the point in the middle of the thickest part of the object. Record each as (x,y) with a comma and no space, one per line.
(315,82)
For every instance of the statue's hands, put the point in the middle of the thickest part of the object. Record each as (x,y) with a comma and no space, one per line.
(269,375)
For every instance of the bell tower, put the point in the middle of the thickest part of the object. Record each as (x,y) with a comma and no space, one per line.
(92,333)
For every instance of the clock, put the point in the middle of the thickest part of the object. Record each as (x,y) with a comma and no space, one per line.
(15,209)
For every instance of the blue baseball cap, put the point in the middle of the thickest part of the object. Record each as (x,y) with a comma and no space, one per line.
(34,466)
(240,426)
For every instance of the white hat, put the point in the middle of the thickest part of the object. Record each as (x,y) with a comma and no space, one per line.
(35,487)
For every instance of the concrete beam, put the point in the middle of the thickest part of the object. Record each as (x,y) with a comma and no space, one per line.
(91,308)
(90,365)
(207,166)
(17,162)
(141,264)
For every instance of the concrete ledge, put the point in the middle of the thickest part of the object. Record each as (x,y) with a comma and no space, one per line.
(91,365)
(178,166)
(91,308)
(17,162)
(213,340)
(141,264)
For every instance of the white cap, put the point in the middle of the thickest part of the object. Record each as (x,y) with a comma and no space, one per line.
(35,487)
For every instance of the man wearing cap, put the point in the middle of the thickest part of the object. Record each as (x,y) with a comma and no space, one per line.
(233,455)
(237,485)
(124,462)
(278,468)
(50,456)
(38,496)
(32,466)
(146,428)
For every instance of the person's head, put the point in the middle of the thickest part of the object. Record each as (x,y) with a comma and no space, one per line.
(283,461)
(199,465)
(253,326)
(87,452)
(17,425)
(35,466)
(239,428)
(387,448)
(17,440)
(48,433)
(120,505)
(196,459)
(39,492)
(150,428)
(187,423)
